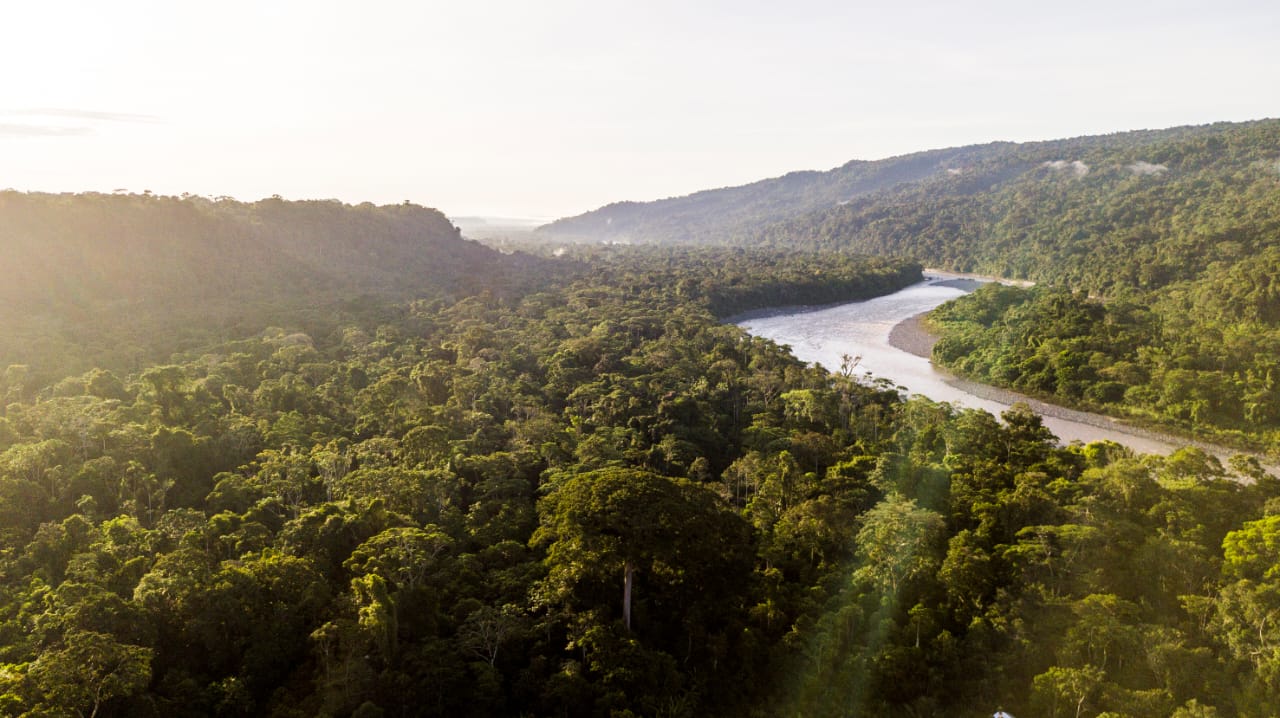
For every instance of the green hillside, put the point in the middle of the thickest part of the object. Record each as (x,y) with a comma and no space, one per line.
(883,206)
(309,459)
(123,279)
(711,216)
(1101,214)
(1155,253)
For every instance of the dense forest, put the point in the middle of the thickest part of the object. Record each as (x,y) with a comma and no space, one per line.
(1002,208)
(1114,214)
(391,472)
(599,499)
(117,281)
(1200,357)
(735,280)
(1156,253)
(567,488)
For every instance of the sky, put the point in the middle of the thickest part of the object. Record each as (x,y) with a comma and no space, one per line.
(550,108)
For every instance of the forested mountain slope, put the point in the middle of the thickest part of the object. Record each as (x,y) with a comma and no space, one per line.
(711,216)
(1180,237)
(1157,266)
(882,206)
(132,275)
(1177,230)
(1105,215)
(564,487)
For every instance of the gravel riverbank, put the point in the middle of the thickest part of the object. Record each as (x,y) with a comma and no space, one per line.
(910,336)
(888,337)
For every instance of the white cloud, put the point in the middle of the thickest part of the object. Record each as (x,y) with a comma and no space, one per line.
(62,121)
(1143,169)
(25,130)
(1076,167)
(71,113)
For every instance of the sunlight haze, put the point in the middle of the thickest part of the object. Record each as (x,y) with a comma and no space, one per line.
(554,108)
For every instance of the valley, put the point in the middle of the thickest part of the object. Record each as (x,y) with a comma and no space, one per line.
(865,330)
(299,458)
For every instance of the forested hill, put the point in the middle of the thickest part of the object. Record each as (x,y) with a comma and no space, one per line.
(712,216)
(1105,215)
(1178,230)
(119,277)
(1174,199)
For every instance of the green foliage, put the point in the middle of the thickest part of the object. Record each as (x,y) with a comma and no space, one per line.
(737,280)
(121,281)
(898,542)
(436,508)
(1136,209)
(1156,252)
(345,523)
(91,670)
(1183,361)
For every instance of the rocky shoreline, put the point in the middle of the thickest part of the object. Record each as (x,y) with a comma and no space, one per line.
(910,336)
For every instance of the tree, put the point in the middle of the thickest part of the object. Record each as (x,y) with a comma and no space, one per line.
(626,522)
(898,542)
(91,669)
(1247,621)
(1104,634)
(1063,691)
(403,556)
(1253,552)
(967,571)
(487,628)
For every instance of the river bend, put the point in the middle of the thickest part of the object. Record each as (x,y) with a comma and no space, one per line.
(862,329)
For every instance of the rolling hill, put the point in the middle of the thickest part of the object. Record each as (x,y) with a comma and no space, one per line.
(113,280)
(1072,210)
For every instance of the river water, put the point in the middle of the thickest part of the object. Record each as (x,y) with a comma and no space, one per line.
(861,329)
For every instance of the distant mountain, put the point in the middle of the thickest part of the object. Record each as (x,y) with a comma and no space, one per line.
(496,228)
(1133,211)
(117,276)
(1178,230)
(1025,209)
(712,216)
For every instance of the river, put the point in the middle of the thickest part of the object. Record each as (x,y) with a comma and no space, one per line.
(861,329)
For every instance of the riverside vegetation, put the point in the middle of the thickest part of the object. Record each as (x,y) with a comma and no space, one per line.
(564,487)
(1155,255)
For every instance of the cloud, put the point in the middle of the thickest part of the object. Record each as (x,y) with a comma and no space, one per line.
(8,129)
(1076,167)
(62,121)
(69,113)
(1143,169)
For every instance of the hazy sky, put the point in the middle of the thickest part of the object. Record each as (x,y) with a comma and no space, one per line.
(553,107)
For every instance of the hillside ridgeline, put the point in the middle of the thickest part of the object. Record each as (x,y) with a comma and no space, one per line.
(1056,210)
(123,279)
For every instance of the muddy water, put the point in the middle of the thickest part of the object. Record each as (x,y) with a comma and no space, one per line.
(861,329)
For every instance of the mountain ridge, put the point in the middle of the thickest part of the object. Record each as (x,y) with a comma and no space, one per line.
(121,277)
(736,214)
